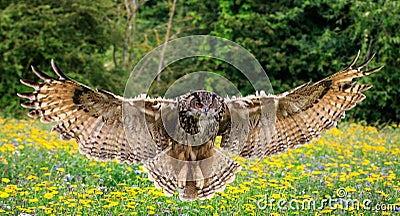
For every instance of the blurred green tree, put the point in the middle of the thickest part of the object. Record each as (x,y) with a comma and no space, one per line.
(295,41)
(33,32)
(299,41)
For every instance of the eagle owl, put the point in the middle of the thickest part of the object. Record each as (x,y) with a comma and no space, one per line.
(174,138)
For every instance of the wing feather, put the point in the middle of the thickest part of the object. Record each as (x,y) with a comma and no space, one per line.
(300,114)
(94,118)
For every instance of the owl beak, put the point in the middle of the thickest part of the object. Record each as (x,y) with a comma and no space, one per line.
(206,109)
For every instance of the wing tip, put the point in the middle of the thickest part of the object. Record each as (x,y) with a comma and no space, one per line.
(57,71)
(26,95)
(31,84)
(40,74)
(29,105)
(353,62)
(366,62)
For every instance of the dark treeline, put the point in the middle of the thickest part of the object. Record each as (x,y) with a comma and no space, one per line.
(99,42)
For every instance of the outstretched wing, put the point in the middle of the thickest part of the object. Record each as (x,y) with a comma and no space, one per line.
(95,118)
(263,125)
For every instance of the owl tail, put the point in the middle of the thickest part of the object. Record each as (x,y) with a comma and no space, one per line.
(193,179)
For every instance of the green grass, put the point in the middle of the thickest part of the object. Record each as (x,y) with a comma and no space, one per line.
(41,175)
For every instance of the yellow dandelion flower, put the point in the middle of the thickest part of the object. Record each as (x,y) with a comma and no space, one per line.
(150,207)
(92,190)
(276,196)
(4,195)
(48,195)
(48,211)
(111,204)
(34,200)
(141,168)
(37,188)
(252,199)
(86,202)
(52,188)
(32,177)
(131,205)
(5,180)
(117,194)
(23,193)
(326,211)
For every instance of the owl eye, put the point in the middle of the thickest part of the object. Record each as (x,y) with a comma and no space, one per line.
(211,106)
(198,105)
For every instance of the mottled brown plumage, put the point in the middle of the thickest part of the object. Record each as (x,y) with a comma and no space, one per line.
(174,138)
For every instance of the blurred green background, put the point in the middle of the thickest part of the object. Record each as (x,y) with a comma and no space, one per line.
(99,42)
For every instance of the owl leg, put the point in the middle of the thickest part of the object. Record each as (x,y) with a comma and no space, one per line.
(190,170)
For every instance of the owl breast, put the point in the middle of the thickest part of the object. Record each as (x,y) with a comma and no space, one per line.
(200,113)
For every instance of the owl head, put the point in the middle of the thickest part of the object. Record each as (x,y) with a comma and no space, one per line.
(199,110)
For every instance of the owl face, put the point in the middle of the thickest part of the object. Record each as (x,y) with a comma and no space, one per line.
(199,110)
(202,103)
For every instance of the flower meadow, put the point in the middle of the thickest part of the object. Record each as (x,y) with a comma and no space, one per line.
(352,170)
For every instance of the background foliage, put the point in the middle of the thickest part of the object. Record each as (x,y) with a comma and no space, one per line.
(99,42)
